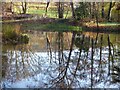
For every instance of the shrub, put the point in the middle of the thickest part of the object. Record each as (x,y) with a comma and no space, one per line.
(9,32)
(24,38)
(12,34)
(82,10)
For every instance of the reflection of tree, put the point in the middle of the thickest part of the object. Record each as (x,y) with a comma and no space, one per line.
(49,46)
(60,47)
(84,45)
(78,62)
(100,62)
(21,64)
(60,81)
(5,65)
(69,70)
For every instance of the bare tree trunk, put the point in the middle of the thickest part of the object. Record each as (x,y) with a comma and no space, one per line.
(102,11)
(60,9)
(12,7)
(93,9)
(96,15)
(48,2)
(97,22)
(90,10)
(109,11)
(72,7)
(24,7)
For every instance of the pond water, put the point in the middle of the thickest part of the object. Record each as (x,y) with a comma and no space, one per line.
(36,64)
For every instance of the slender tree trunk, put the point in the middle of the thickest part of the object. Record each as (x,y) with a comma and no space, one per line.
(47,7)
(24,7)
(97,23)
(60,9)
(102,11)
(72,7)
(90,10)
(93,9)
(12,6)
(109,11)
(67,11)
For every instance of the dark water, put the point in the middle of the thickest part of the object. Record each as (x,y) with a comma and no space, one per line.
(18,61)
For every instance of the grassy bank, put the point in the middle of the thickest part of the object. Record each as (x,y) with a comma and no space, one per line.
(53,24)
(102,27)
(50,27)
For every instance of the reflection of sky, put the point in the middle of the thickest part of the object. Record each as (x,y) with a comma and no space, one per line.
(23,63)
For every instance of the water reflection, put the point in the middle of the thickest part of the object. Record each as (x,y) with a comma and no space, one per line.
(47,49)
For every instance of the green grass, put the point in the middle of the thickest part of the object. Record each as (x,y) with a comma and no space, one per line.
(40,5)
(50,27)
(37,11)
(41,12)
(62,27)
(50,13)
(110,24)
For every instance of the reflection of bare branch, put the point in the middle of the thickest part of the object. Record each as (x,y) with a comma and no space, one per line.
(60,48)
(112,55)
(109,55)
(49,47)
(92,62)
(100,63)
(71,47)
(17,69)
(62,75)
(78,60)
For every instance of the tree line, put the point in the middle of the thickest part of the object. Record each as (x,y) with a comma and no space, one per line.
(105,10)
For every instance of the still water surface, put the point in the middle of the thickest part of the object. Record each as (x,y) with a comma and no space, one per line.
(24,60)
